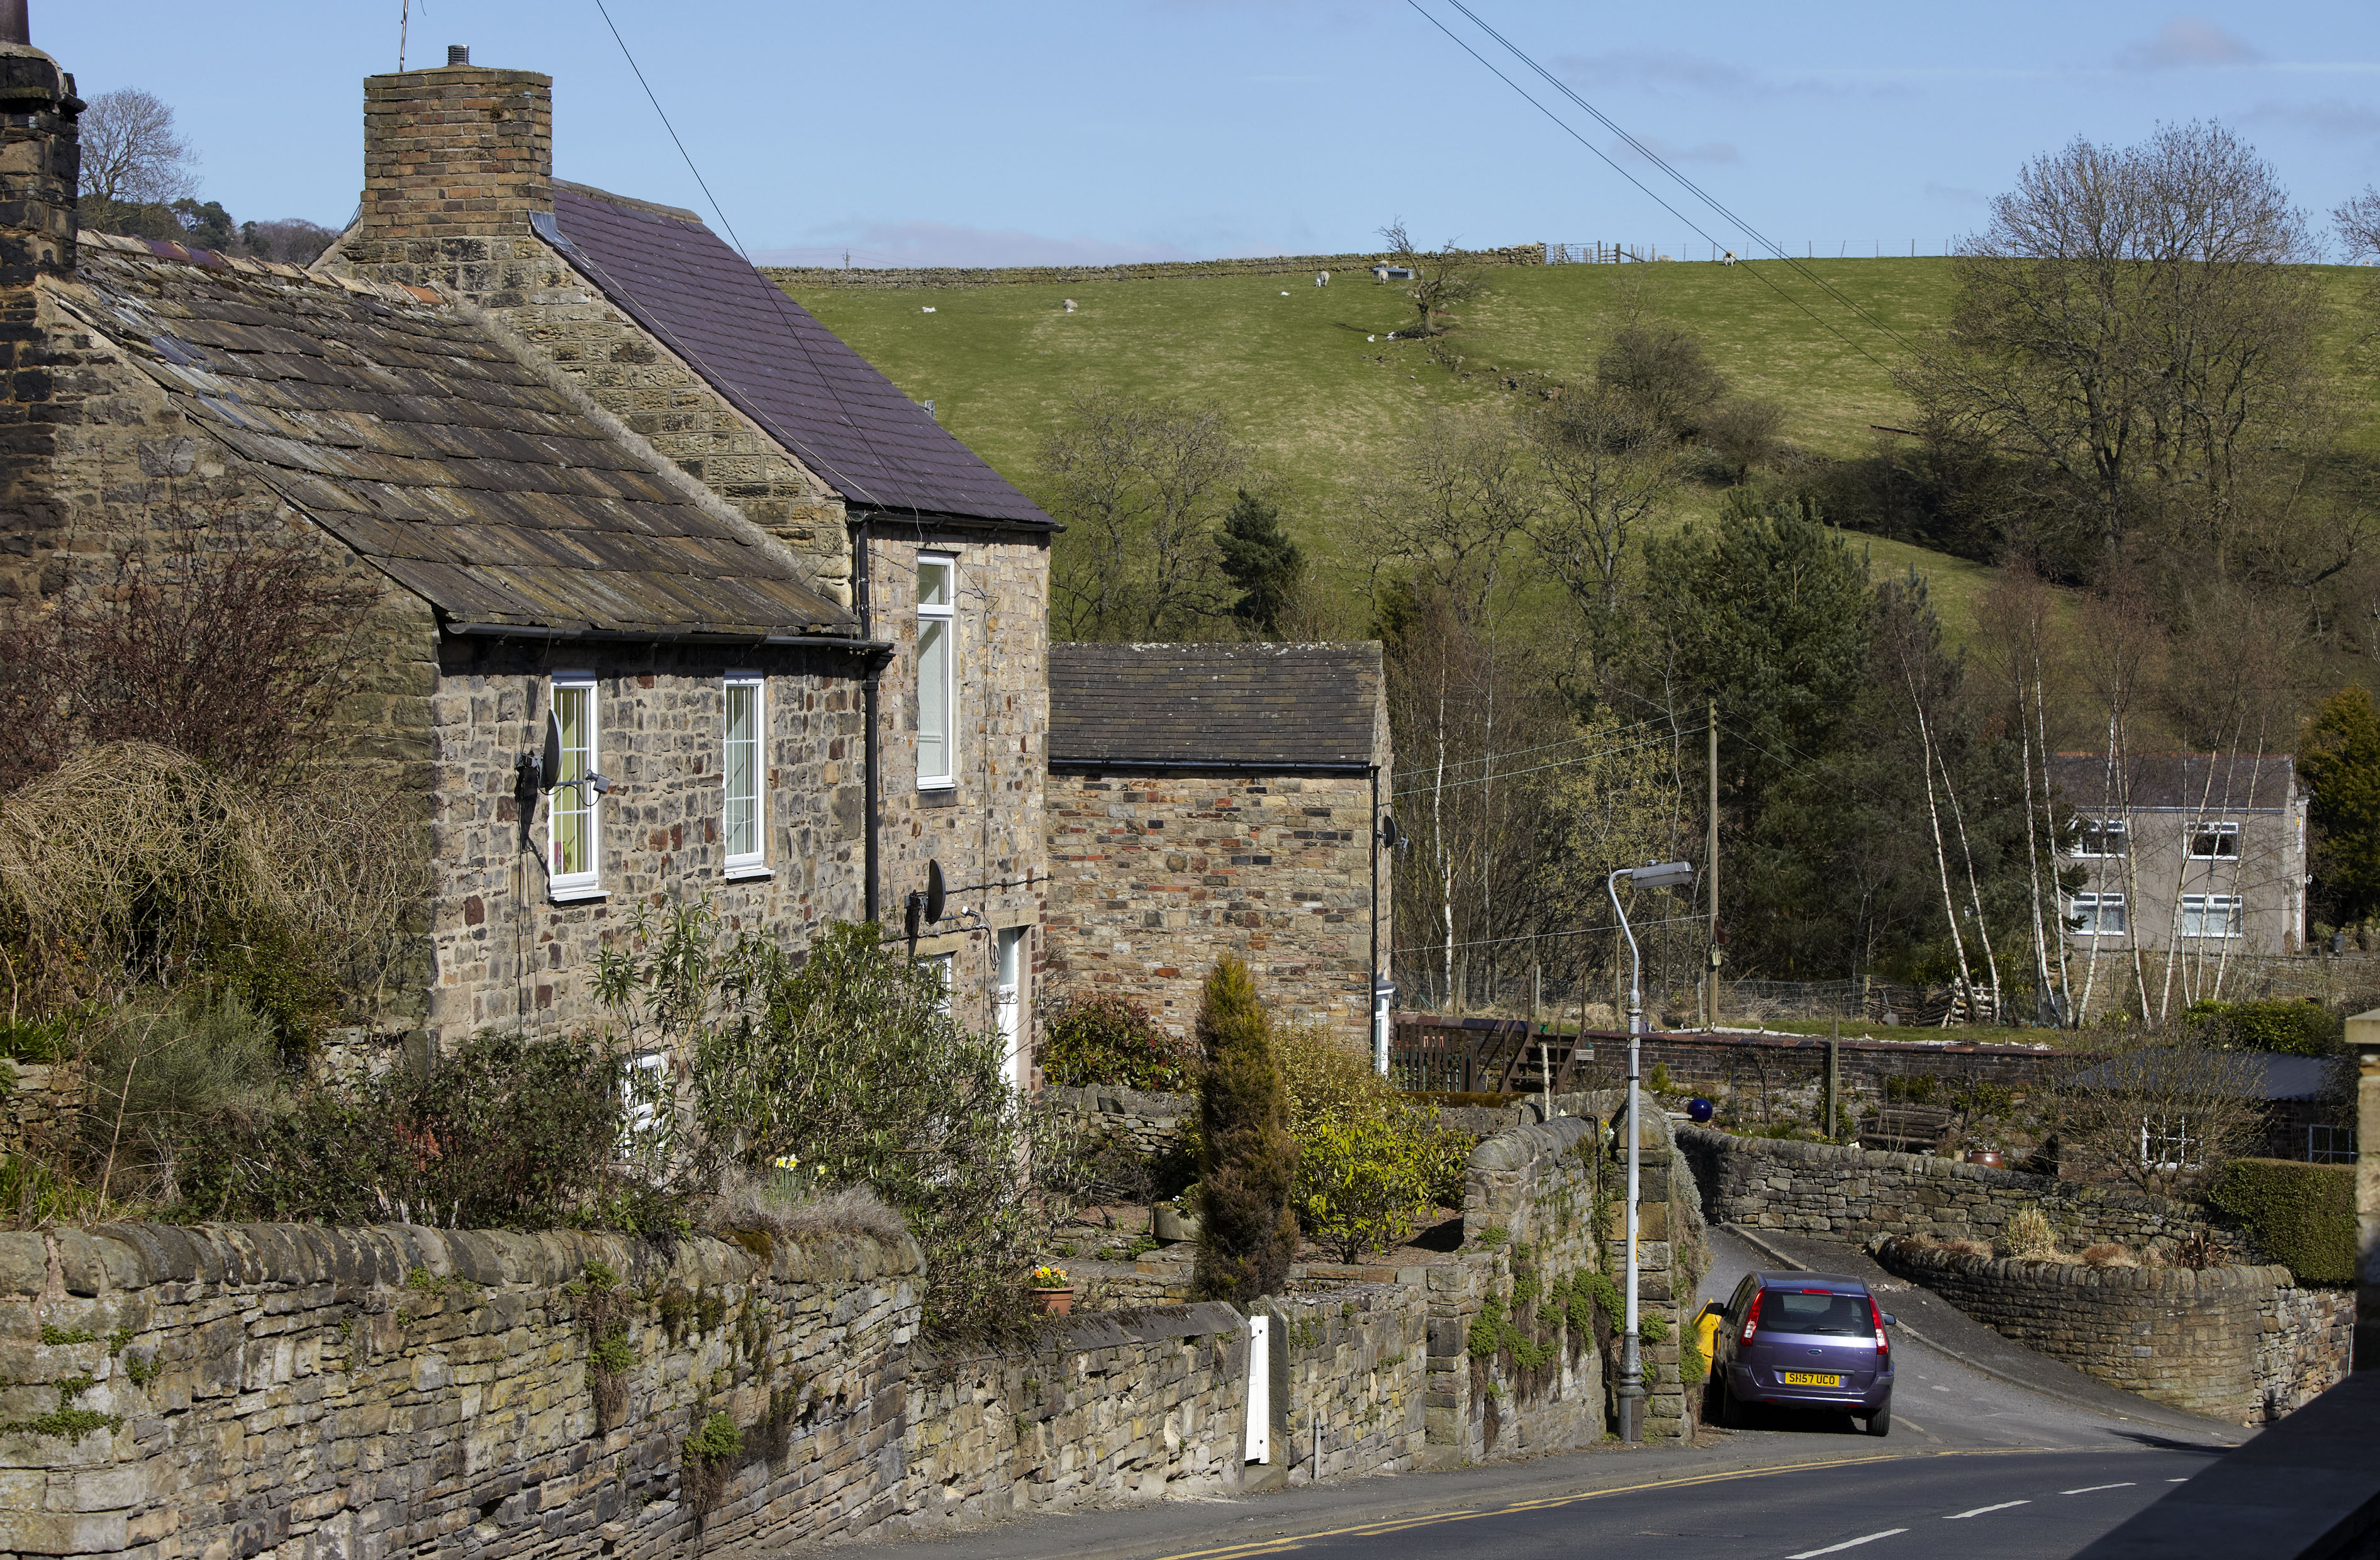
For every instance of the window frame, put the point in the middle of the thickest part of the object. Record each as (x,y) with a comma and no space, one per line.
(577,801)
(2178,1133)
(2099,829)
(945,967)
(754,862)
(946,613)
(2218,831)
(2201,907)
(2101,902)
(1008,969)
(2339,1149)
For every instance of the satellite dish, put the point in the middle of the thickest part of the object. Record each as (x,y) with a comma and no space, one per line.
(550,768)
(1390,833)
(935,894)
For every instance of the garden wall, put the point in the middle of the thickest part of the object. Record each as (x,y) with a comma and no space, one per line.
(2240,1344)
(38,1104)
(1852,1193)
(1345,270)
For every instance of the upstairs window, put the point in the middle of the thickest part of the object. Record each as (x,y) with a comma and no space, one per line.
(2214,841)
(742,765)
(936,669)
(2097,914)
(2101,837)
(573,832)
(2214,915)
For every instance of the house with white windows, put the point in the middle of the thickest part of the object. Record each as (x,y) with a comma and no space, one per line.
(2202,853)
(675,599)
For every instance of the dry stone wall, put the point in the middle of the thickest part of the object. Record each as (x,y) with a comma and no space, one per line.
(2240,1344)
(39,1103)
(1852,1193)
(1344,269)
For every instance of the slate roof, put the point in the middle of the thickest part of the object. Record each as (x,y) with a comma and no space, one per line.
(1185,706)
(2210,782)
(421,441)
(2264,1075)
(774,361)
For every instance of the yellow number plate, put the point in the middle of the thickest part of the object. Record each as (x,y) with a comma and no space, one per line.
(1804,1378)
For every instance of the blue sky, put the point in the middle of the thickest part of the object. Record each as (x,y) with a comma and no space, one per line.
(976,134)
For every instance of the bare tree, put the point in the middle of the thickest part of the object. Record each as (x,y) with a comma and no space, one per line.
(1141,486)
(2125,326)
(1662,371)
(2358,223)
(1608,472)
(1444,278)
(2160,1116)
(130,154)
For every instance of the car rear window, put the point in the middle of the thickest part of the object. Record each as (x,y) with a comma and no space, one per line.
(1788,1312)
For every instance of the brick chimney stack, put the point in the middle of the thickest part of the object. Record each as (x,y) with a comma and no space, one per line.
(456,159)
(40,158)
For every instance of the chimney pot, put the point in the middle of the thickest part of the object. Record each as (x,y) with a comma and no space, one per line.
(16,26)
(457,53)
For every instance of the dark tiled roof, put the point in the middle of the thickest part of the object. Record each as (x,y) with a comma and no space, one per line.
(2208,782)
(2262,1075)
(781,368)
(422,442)
(1296,706)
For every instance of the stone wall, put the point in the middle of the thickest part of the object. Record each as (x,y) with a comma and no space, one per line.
(1147,1123)
(39,1103)
(1155,876)
(2240,1344)
(1852,1193)
(1344,269)
(1354,1363)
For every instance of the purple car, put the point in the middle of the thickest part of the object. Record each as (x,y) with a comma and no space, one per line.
(1803,1341)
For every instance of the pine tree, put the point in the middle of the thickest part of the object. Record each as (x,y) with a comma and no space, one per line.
(1247,1161)
(1259,558)
(2340,761)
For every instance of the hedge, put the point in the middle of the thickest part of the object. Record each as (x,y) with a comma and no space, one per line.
(2304,1215)
(2296,1029)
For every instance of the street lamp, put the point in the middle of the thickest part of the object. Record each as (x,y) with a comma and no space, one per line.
(1660,875)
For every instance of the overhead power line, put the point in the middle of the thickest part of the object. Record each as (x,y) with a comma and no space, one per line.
(1423,788)
(1758,273)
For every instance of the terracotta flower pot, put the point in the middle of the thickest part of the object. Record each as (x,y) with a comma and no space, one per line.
(1053,1302)
(1991,1157)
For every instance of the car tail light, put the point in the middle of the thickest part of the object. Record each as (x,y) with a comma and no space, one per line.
(1883,1346)
(1752,1317)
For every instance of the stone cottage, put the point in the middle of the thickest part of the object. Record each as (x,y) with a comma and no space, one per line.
(599,478)
(1214,799)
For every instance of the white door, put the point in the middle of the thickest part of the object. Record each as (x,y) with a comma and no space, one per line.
(1008,1003)
(1259,1388)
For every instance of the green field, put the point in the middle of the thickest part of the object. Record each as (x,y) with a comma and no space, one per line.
(1321,403)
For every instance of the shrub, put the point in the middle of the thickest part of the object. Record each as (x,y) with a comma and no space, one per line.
(2304,1215)
(2296,1029)
(2027,1233)
(1365,1182)
(1113,1041)
(165,1069)
(1248,1232)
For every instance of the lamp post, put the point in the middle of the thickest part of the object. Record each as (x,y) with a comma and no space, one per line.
(1660,875)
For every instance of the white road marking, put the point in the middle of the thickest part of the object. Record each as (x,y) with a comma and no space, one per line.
(1982,1509)
(2088,1487)
(1847,1544)
(2176,1480)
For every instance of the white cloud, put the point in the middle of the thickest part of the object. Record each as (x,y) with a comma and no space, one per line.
(2187,40)
(875,242)
(1702,152)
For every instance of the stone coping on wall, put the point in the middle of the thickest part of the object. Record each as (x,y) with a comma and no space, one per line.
(136,1257)
(1913,1260)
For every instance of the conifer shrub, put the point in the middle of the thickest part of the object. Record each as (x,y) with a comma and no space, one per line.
(1247,1158)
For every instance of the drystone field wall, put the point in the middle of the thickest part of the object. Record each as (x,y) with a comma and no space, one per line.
(1344,269)
(1854,1194)
(39,1101)
(1148,1123)
(2240,1344)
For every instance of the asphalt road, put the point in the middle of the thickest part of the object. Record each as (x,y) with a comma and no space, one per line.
(1978,1464)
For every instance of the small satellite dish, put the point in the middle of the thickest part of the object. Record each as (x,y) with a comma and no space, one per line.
(935,893)
(549,772)
(1390,833)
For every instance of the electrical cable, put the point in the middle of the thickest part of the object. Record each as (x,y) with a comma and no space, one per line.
(1426,787)
(1571,131)
(1696,190)
(1541,747)
(1541,936)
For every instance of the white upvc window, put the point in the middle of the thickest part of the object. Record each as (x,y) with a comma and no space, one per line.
(2101,837)
(2214,915)
(2172,1143)
(945,968)
(742,814)
(2097,914)
(574,815)
(2214,841)
(1008,1002)
(938,687)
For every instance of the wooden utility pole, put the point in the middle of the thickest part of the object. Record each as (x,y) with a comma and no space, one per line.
(1710,874)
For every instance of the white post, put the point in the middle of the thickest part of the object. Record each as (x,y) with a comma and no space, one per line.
(1631,1364)
(1382,995)
(1259,1438)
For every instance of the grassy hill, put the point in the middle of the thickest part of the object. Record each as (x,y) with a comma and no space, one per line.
(1320,402)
